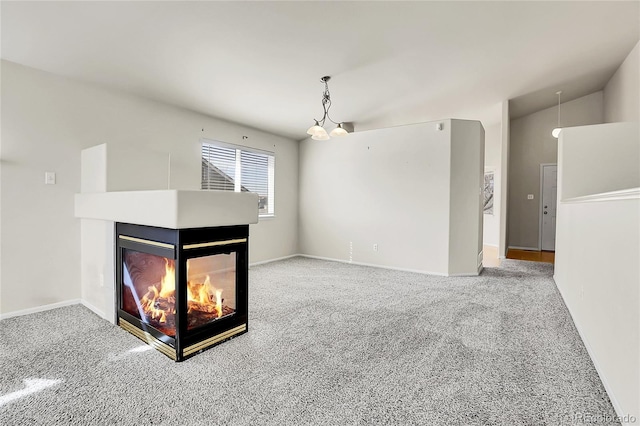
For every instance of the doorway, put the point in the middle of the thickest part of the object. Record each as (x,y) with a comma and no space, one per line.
(548,201)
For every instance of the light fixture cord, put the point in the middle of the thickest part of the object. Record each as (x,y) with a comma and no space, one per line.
(559,94)
(326,104)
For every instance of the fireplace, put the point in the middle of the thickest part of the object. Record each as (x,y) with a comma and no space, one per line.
(182,290)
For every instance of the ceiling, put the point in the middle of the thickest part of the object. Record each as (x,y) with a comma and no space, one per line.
(392,63)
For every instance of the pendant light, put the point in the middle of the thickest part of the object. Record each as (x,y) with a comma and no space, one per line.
(556,132)
(317,131)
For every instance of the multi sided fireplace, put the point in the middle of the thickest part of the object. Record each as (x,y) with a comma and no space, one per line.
(182,290)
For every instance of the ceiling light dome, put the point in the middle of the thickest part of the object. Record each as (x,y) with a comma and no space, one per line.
(321,135)
(338,131)
(314,129)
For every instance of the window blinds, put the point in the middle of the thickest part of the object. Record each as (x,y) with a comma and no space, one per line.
(230,168)
(218,167)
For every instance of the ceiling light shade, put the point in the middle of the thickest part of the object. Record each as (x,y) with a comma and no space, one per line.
(338,131)
(314,129)
(556,132)
(321,135)
(317,131)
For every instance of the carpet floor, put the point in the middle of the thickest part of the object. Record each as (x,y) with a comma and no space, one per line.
(328,343)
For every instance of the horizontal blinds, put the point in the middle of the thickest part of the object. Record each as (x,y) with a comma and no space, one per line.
(235,169)
(254,172)
(218,167)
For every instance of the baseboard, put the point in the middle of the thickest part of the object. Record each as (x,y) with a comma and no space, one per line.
(40,308)
(262,262)
(524,248)
(330,259)
(417,271)
(472,274)
(93,309)
(603,379)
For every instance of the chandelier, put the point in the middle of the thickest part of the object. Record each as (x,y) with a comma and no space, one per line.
(317,131)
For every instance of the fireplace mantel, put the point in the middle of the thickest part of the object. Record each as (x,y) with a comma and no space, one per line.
(174,209)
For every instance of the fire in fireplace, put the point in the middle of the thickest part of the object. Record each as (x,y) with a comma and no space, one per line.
(182,291)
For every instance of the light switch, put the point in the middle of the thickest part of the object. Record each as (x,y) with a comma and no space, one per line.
(530,197)
(50,178)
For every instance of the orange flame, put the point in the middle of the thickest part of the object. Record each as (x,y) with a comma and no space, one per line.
(219,302)
(168,282)
(160,302)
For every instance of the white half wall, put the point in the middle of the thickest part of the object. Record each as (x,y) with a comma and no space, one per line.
(46,122)
(392,188)
(466,197)
(597,268)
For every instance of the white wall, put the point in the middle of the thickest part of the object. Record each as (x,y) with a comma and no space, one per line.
(46,122)
(622,92)
(466,196)
(103,168)
(493,162)
(606,158)
(531,144)
(505,135)
(389,187)
(597,267)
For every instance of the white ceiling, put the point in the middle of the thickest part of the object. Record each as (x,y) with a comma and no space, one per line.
(392,63)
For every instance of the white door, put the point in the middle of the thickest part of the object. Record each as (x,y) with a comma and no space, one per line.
(548,211)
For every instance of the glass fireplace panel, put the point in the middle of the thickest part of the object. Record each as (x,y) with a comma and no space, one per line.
(149,289)
(211,288)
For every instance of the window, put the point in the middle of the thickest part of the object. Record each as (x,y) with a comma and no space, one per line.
(227,167)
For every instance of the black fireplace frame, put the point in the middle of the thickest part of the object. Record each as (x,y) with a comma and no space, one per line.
(181,245)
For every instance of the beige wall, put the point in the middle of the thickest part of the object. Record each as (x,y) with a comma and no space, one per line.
(622,92)
(391,187)
(492,162)
(531,144)
(46,122)
(505,134)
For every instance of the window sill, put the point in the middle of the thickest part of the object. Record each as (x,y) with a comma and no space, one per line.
(266,216)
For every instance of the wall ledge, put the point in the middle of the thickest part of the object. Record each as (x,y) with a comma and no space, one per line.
(623,194)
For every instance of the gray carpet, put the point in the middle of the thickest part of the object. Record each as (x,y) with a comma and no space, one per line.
(329,343)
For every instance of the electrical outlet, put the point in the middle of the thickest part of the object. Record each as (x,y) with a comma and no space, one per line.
(101,280)
(375,247)
(50,178)
(530,197)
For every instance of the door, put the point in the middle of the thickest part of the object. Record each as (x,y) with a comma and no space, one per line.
(549,178)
